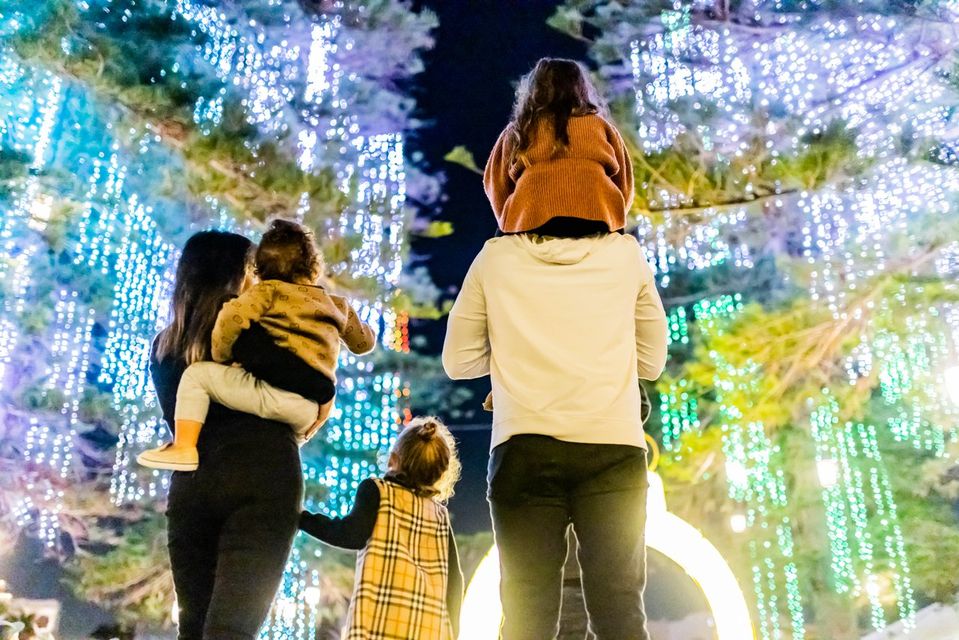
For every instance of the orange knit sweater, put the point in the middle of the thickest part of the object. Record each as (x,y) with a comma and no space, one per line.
(591,179)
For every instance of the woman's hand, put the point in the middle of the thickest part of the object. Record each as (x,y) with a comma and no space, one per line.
(324,412)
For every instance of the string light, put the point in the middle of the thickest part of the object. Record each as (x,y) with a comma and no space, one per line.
(828,472)
(755,481)
(731,77)
(861,513)
(738,522)
(48,443)
(294,83)
(678,412)
(266,72)
(294,613)
(951,380)
(880,78)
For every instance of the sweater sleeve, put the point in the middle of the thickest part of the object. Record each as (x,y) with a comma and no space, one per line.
(454,585)
(358,336)
(623,177)
(650,324)
(466,349)
(236,315)
(496,178)
(353,530)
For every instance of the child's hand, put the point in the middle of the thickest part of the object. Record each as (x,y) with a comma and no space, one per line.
(306,518)
(324,412)
(311,523)
(488,403)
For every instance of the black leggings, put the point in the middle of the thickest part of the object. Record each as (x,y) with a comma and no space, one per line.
(231,525)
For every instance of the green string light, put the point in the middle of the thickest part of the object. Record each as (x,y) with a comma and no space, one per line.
(861,512)
(679,412)
(678,327)
(755,481)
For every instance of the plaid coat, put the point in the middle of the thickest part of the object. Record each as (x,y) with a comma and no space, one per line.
(402,573)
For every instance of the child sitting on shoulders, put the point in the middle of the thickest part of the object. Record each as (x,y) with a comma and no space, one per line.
(560,168)
(299,315)
(408,578)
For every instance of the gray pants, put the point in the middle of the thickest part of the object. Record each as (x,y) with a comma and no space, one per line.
(237,389)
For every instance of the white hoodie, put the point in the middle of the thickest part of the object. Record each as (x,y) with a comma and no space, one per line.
(564,327)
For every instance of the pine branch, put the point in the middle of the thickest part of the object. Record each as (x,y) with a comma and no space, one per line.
(690,211)
(823,342)
(879,78)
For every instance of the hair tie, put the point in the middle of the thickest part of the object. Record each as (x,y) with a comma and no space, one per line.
(427,430)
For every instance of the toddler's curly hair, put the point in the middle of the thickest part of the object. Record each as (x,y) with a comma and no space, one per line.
(288,252)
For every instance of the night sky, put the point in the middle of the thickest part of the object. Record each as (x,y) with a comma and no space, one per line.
(464,98)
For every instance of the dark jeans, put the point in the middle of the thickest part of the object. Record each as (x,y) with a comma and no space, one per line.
(231,525)
(538,487)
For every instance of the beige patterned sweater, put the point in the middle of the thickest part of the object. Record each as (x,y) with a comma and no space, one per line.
(302,318)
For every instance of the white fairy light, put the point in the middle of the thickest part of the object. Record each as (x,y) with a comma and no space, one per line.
(738,522)
(827,470)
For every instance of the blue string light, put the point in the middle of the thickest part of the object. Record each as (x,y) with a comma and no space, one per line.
(118,254)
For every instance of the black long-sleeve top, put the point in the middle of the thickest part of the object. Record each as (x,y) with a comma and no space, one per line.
(353,531)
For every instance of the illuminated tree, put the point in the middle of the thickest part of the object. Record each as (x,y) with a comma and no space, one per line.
(796,190)
(126,126)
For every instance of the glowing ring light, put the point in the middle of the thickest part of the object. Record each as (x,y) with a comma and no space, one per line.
(666,533)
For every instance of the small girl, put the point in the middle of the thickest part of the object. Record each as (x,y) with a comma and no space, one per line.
(408,579)
(559,168)
(298,315)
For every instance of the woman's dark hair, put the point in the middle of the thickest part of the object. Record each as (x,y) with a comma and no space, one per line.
(288,252)
(424,458)
(556,89)
(211,270)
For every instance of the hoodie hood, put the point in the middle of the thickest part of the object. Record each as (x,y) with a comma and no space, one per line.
(563,327)
(564,250)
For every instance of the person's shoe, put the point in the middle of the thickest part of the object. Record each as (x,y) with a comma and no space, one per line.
(168,457)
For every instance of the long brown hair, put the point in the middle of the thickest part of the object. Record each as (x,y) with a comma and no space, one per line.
(424,458)
(211,270)
(556,89)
